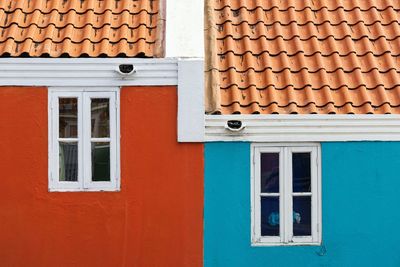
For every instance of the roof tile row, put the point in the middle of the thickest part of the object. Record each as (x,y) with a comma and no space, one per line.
(330,5)
(81,6)
(327,56)
(77,28)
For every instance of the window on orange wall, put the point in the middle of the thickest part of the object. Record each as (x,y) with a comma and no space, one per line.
(84,143)
(286,195)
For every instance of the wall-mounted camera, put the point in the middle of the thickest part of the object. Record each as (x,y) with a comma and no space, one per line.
(234,125)
(126,69)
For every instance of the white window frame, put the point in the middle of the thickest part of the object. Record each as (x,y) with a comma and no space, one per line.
(84,139)
(285,194)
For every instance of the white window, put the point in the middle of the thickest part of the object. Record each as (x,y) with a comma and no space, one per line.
(83,140)
(286,201)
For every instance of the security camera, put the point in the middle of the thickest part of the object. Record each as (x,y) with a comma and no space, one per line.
(126,69)
(234,125)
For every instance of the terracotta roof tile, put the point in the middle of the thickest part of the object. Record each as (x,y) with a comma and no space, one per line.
(326,56)
(80,28)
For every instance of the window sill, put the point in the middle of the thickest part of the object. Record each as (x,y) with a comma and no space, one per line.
(260,244)
(84,190)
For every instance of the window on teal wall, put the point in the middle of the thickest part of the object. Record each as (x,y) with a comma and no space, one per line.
(286,200)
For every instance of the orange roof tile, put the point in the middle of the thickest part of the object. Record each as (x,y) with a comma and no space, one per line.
(77,28)
(285,57)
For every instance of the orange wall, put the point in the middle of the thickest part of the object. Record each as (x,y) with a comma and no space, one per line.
(156,220)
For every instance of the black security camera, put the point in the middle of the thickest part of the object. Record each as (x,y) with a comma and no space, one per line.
(234,125)
(126,68)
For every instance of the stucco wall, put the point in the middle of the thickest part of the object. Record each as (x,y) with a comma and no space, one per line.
(156,220)
(360,193)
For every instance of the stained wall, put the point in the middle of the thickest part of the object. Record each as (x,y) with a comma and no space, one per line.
(156,219)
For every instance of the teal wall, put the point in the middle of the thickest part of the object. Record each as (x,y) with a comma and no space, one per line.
(360,209)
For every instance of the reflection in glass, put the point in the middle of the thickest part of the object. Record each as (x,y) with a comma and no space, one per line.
(68,157)
(301,172)
(68,117)
(101,162)
(302,216)
(269,216)
(270,172)
(100,117)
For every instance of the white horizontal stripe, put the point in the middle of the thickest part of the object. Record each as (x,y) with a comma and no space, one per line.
(305,128)
(86,72)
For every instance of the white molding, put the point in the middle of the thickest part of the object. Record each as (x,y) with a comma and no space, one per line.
(285,194)
(191,100)
(90,72)
(185,28)
(84,139)
(304,128)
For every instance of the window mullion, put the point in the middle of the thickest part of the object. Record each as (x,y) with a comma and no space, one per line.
(289,194)
(86,123)
(283,189)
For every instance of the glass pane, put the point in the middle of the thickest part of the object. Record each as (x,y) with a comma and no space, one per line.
(68,117)
(301,172)
(270,172)
(100,117)
(269,216)
(68,156)
(101,162)
(302,216)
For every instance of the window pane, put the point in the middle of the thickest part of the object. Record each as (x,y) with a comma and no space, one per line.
(302,216)
(270,172)
(301,172)
(270,216)
(101,162)
(100,117)
(68,117)
(68,169)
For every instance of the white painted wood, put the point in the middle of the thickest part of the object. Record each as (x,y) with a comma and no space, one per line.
(304,128)
(285,151)
(185,28)
(91,72)
(256,214)
(87,180)
(84,140)
(191,100)
(54,164)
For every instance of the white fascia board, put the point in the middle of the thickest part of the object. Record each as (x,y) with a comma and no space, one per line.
(304,128)
(185,28)
(86,72)
(191,100)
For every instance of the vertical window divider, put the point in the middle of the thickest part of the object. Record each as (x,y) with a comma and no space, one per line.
(87,141)
(81,166)
(282,191)
(289,195)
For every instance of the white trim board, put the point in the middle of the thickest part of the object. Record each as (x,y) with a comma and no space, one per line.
(304,128)
(94,74)
(191,101)
(86,72)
